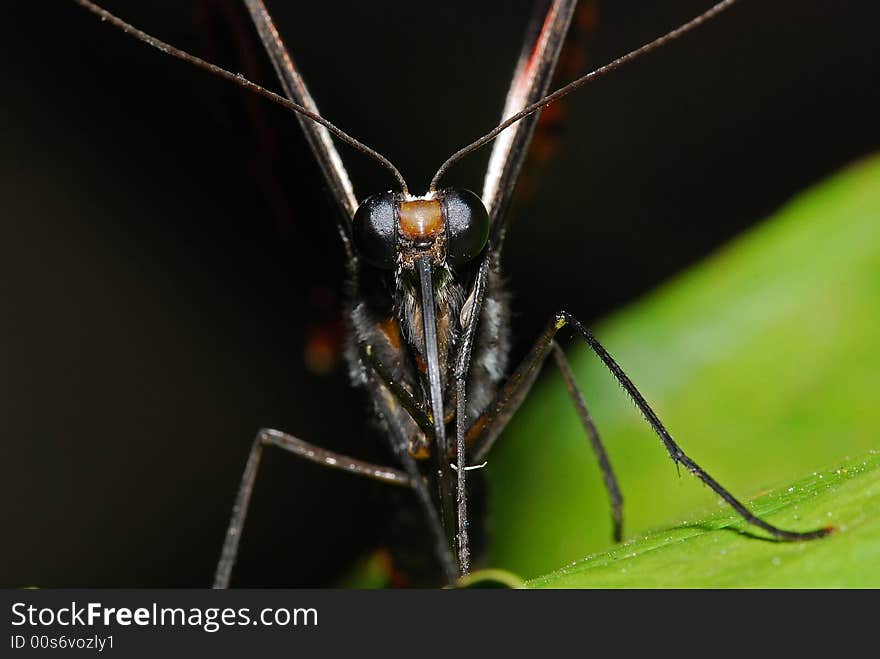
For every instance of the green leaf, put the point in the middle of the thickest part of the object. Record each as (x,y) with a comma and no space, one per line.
(722,551)
(762,362)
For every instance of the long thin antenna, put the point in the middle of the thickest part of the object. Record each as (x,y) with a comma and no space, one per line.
(241,81)
(580,82)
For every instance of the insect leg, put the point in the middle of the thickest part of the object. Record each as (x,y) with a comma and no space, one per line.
(462,364)
(608,476)
(488,426)
(384,399)
(679,457)
(268,437)
(406,400)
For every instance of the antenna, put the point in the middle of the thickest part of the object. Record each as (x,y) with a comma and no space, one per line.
(241,81)
(659,42)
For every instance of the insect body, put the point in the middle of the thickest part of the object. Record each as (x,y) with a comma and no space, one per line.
(427,312)
(413,294)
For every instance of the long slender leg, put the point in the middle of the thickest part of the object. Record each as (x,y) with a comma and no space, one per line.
(462,364)
(486,428)
(268,437)
(608,476)
(384,400)
(464,550)
(403,396)
(675,452)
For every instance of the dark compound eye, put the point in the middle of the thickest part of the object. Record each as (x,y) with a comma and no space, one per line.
(467,225)
(375,230)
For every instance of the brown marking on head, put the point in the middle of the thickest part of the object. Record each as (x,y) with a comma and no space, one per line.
(421,220)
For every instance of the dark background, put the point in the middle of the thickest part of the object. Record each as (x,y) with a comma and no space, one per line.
(168,253)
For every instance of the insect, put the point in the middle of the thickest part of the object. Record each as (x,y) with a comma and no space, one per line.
(428,315)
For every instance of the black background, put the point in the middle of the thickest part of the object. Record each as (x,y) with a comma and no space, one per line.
(167,247)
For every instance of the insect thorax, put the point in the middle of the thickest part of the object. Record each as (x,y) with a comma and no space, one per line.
(384,313)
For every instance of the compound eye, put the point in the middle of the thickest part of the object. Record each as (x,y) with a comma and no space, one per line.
(467,225)
(375,230)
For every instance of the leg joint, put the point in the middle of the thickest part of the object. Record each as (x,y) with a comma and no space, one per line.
(561,319)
